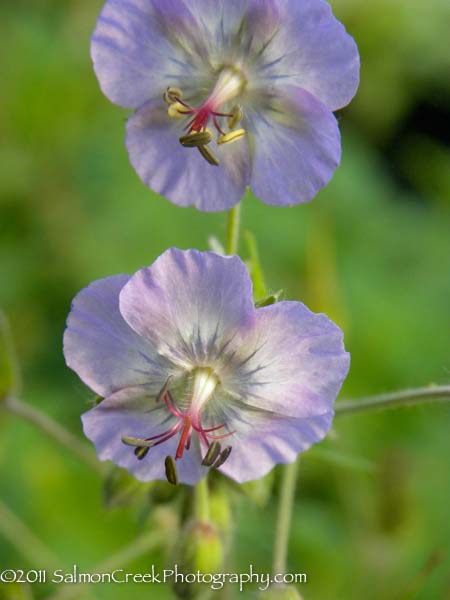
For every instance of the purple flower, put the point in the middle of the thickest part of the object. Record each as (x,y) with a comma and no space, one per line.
(189,369)
(247,86)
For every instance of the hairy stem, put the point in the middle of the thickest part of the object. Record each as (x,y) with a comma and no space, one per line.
(234,220)
(284,518)
(52,429)
(439,393)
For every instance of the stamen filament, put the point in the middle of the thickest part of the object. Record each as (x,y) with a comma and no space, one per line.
(183,438)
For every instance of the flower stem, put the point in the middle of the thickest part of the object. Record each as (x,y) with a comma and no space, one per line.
(439,393)
(201,500)
(234,220)
(284,518)
(53,430)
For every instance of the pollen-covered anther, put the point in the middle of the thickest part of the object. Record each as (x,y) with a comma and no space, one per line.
(208,156)
(128,440)
(236,115)
(141,452)
(212,454)
(223,457)
(172,95)
(197,138)
(177,111)
(232,136)
(171,470)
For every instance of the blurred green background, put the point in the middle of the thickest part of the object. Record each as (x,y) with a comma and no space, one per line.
(372,511)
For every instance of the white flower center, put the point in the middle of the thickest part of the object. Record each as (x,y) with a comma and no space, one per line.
(205,382)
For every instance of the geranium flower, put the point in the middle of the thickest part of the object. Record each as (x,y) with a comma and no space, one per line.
(247,86)
(191,373)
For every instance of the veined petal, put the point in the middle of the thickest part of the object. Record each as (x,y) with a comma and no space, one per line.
(130,412)
(296,147)
(292,363)
(102,348)
(139,47)
(191,305)
(261,440)
(314,51)
(182,174)
(235,28)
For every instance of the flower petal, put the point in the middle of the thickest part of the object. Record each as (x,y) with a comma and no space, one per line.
(182,174)
(102,348)
(262,440)
(292,363)
(140,47)
(190,304)
(296,147)
(227,26)
(313,50)
(130,412)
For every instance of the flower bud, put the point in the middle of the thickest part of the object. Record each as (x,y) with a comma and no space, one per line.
(201,549)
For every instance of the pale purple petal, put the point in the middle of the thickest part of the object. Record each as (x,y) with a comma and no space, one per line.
(191,305)
(182,174)
(293,363)
(296,147)
(140,47)
(262,440)
(102,348)
(313,50)
(224,25)
(132,413)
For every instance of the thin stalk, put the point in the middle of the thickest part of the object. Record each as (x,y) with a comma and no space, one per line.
(284,518)
(53,430)
(201,500)
(439,393)
(234,221)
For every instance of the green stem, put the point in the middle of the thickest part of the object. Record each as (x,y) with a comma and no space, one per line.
(201,500)
(439,393)
(53,430)
(284,518)
(234,221)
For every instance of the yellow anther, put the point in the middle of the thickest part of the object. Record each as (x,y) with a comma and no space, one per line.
(236,116)
(232,136)
(208,155)
(172,95)
(199,138)
(171,470)
(176,111)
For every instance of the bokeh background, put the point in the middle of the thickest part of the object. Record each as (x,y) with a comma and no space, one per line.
(372,510)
